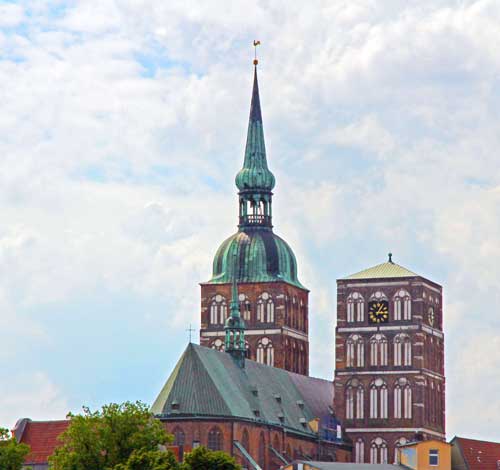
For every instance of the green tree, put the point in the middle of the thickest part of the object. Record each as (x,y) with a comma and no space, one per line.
(203,459)
(118,437)
(149,459)
(12,453)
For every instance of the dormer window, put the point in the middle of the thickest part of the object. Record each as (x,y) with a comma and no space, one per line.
(277,397)
(175,405)
(300,403)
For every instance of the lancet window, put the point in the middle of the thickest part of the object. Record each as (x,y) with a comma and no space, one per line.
(355,307)
(402,399)
(360,451)
(245,307)
(215,440)
(378,350)
(378,451)
(378,399)
(265,308)
(402,305)
(354,400)
(355,351)
(265,351)
(402,350)
(218,310)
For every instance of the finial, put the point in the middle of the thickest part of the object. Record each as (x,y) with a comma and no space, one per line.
(255,44)
(390,257)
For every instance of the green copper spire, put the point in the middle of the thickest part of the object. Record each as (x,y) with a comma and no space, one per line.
(262,255)
(235,326)
(255,181)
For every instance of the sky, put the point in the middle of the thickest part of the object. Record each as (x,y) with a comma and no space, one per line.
(122,127)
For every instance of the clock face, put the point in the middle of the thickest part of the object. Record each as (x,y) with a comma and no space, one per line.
(378,311)
(431,316)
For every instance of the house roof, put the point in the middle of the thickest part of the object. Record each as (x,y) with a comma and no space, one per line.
(41,436)
(208,383)
(482,455)
(350,466)
(384,270)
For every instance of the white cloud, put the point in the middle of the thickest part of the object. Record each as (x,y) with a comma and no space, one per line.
(33,393)
(123,125)
(11,15)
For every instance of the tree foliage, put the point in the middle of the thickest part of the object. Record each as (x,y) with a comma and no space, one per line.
(12,453)
(203,459)
(118,437)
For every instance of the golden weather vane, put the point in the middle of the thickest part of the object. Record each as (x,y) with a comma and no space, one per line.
(255,44)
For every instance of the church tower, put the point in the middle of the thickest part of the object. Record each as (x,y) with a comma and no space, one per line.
(273,303)
(389,377)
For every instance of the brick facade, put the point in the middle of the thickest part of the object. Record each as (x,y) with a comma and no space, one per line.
(281,324)
(257,440)
(389,378)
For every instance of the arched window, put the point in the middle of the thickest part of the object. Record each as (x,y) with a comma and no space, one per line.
(378,451)
(265,351)
(360,402)
(218,344)
(245,440)
(408,403)
(218,310)
(355,351)
(245,307)
(378,350)
(378,399)
(354,400)
(355,307)
(349,402)
(215,439)
(402,305)
(360,451)
(179,436)
(248,352)
(262,450)
(402,399)
(402,350)
(265,308)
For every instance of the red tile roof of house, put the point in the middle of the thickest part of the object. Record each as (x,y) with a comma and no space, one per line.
(479,455)
(41,436)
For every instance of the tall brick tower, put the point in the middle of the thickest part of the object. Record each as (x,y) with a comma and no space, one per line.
(389,376)
(273,303)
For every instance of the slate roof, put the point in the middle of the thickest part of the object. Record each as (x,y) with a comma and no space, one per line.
(384,270)
(208,383)
(478,455)
(41,436)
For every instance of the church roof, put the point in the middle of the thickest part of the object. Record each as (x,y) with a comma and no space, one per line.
(208,383)
(41,436)
(262,256)
(384,270)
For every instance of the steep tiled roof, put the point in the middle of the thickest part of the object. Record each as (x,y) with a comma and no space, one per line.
(41,436)
(206,382)
(383,270)
(479,455)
